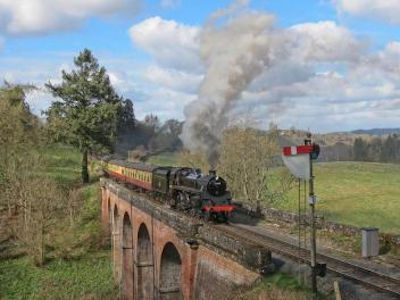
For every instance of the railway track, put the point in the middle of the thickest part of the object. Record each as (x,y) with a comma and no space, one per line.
(354,272)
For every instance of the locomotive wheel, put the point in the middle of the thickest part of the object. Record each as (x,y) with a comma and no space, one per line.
(180,198)
(171,202)
(207,216)
(224,217)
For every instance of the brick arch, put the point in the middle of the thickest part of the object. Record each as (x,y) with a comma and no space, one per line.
(127,258)
(115,219)
(116,243)
(170,273)
(144,263)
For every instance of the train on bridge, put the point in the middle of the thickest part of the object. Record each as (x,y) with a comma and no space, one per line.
(183,188)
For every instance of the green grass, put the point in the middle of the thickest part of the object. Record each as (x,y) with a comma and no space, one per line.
(277,286)
(356,193)
(59,279)
(91,194)
(62,163)
(164,159)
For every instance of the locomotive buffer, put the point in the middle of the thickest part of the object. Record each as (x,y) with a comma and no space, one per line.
(298,159)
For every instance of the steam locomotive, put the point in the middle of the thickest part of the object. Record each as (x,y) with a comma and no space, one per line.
(185,189)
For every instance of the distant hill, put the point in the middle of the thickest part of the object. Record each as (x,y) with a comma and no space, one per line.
(377,131)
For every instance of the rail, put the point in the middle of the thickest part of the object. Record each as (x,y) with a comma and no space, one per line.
(343,268)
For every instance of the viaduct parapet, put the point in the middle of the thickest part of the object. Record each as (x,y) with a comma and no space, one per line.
(159,253)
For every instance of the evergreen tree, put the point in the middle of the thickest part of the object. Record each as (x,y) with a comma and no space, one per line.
(375,149)
(360,150)
(88,112)
(127,120)
(389,149)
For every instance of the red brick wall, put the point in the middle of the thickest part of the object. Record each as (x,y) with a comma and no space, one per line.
(202,271)
(216,276)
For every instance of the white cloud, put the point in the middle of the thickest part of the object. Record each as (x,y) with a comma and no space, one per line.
(383,10)
(39,100)
(389,58)
(44,16)
(165,103)
(174,79)
(324,41)
(171,44)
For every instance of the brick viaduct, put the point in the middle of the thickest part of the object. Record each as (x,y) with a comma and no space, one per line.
(160,253)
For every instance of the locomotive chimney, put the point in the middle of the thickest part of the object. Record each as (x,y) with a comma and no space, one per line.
(212,172)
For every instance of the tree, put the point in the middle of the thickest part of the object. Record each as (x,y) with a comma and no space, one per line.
(151,121)
(167,137)
(375,149)
(249,162)
(360,150)
(89,109)
(389,149)
(19,132)
(127,120)
(17,124)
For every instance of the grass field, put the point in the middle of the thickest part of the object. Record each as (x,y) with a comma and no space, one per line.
(356,193)
(163,159)
(62,164)
(86,278)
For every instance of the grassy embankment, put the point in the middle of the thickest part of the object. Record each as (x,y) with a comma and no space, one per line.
(164,159)
(277,287)
(87,275)
(356,193)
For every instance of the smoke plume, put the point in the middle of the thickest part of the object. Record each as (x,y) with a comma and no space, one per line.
(234,54)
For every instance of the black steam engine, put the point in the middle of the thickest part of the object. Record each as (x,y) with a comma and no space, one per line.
(184,189)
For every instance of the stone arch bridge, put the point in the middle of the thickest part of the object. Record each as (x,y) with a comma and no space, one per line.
(158,253)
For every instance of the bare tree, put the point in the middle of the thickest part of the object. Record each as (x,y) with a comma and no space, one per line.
(250,162)
(39,204)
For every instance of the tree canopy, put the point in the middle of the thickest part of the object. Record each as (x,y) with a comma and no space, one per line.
(17,124)
(88,110)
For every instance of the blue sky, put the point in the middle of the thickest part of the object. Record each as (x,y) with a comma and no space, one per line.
(355,87)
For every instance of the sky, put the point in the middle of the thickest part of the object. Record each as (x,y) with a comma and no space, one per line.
(329,65)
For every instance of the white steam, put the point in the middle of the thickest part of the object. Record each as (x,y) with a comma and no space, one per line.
(234,54)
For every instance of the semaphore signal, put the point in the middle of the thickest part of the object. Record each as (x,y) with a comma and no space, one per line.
(298,159)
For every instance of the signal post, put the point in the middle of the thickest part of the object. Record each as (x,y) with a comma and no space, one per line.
(311,198)
(298,159)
